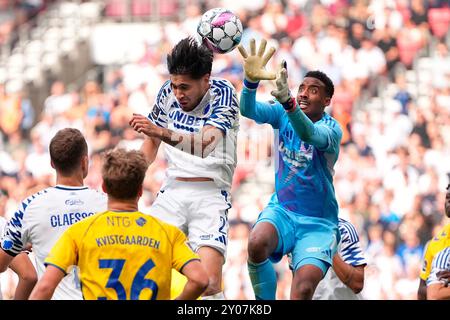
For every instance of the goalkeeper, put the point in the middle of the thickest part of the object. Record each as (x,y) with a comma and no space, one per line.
(301,216)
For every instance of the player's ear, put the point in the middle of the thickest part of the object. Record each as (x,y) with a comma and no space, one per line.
(327,101)
(52,164)
(104,187)
(140,191)
(85,165)
(205,78)
(85,162)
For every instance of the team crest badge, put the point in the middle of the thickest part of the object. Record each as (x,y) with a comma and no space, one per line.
(141,221)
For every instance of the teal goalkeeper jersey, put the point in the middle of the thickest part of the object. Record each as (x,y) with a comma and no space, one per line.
(303,171)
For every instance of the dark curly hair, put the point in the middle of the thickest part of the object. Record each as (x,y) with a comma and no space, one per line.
(190,58)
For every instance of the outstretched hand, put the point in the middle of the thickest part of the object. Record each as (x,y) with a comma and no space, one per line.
(254,64)
(282,92)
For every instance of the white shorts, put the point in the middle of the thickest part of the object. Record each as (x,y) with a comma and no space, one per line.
(199,209)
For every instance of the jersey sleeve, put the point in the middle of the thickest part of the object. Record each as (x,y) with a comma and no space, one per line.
(225,107)
(64,253)
(441,262)
(16,232)
(325,135)
(332,134)
(261,112)
(350,247)
(158,115)
(182,253)
(427,260)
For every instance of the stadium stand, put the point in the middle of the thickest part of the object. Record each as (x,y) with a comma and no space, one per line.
(392,78)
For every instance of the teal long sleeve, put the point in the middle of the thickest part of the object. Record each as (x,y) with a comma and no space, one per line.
(261,112)
(306,130)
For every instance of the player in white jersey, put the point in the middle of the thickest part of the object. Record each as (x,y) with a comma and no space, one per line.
(45,215)
(437,285)
(21,265)
(196,115)
(345,280)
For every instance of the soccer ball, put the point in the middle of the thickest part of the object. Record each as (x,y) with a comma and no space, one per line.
(220,30)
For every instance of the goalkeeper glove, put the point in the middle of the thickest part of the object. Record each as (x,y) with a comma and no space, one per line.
(282,93)
(254,64)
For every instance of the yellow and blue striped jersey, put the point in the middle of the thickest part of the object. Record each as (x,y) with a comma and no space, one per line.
(122,255)
(438,243)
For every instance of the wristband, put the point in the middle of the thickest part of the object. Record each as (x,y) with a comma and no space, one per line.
(289,104)
(250,85)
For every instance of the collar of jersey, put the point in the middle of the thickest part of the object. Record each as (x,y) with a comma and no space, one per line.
(71,188)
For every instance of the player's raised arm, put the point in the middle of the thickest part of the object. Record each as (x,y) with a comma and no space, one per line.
(254,65)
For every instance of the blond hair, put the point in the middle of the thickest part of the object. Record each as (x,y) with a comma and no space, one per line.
(123,173)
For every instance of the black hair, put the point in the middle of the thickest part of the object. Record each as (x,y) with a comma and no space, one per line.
(190,58)
(329,86)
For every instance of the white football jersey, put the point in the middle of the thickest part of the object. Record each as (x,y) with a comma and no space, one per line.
(219,108)
(331,287)
(42,218)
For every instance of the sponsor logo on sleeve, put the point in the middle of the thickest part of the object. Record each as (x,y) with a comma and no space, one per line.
(7,244)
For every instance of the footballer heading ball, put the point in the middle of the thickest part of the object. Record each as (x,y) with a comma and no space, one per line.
(220,30)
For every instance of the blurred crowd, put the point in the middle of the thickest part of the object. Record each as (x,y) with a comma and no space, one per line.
(16,13)
(390,64)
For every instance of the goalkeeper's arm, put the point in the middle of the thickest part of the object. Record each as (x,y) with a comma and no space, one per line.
(316,135)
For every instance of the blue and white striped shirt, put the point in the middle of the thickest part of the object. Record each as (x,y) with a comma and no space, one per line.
(219,108)
(350,247)
(331,287)
(42,218)
(441,262)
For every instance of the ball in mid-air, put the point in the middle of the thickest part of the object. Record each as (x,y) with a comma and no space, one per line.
(220,30)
